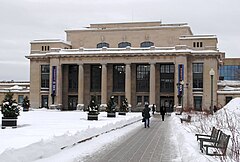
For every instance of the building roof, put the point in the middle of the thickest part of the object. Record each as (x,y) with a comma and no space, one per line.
(51,41)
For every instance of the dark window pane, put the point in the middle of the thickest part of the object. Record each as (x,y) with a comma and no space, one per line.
(197,75)
(73,78)
(45,76)
(166,78)
(118,78)
(146,44)
(102,44)
(142,78)
(96,76)
(124,44)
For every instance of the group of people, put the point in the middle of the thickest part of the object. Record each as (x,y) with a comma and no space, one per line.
(146,114)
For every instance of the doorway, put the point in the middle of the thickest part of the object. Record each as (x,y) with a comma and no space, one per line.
(72,102)
(167,102)
(44,101)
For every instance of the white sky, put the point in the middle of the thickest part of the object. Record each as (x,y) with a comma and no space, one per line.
(26,20)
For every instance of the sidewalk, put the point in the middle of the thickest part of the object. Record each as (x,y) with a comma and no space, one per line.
(144,145)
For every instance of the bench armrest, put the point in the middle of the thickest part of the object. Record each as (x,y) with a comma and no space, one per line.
(202,135)
(215,153)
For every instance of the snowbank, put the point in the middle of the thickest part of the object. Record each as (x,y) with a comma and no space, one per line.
(43,133)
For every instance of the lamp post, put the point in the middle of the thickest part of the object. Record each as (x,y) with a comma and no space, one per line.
(211,73)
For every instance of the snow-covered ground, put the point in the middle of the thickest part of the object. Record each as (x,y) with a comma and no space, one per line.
(50,135)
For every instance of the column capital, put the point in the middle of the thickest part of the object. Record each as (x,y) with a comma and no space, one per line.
(152,62)
(103,63)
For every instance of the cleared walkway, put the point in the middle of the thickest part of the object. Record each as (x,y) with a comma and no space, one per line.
(152,144)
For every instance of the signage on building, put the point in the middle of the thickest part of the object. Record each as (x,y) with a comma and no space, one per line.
(54,80)
(180,78)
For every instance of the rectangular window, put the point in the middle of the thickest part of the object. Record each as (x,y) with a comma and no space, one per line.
(142,78)
(96,78)
(45,76)
(20,99)
(118,78)
(166,78)
(230,72)
(73,78)
(197,76)
(146,99)
(139,100)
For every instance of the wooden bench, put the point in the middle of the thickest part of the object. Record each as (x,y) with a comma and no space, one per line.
(188,119)
(219,147)
(213,137)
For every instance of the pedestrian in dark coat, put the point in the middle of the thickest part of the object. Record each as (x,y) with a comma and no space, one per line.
(162,112)
(146,116)
(153,109)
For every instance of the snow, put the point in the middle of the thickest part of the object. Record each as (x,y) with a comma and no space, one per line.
(41,134)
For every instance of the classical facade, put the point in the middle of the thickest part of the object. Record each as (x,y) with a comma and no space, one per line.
(161,64)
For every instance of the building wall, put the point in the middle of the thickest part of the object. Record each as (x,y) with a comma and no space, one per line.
(176,51)
(162,37)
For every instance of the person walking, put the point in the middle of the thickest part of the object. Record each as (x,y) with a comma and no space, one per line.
(162,112)
(153,109)
(146,116)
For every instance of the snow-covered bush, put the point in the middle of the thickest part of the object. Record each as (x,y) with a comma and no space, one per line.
(9,106)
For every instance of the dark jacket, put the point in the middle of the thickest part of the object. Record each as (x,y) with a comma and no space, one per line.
(145,113)
(162,110)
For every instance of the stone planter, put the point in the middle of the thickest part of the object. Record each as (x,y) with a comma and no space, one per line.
(121,113)
(9,122)
(111,114)
(25,108)
(93,115)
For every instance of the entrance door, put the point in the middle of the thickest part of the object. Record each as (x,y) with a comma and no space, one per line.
(72,102)
(44,101)
(167,102)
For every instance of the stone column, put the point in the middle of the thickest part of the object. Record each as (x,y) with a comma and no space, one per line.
(104,85)
(128,83)
(59,86)
(152,94)
(80,86)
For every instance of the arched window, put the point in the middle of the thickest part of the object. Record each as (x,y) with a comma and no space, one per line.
(102,44)
(147,44)
(124,44)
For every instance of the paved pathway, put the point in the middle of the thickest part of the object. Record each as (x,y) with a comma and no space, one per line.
(143,145)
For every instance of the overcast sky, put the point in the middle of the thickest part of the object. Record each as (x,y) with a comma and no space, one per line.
(25,20)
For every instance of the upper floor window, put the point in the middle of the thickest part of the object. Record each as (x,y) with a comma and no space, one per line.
(118,78)
(45,76)
(73,78)
(197,75)
(230,72)
(124,44)
(197,44)
(166,78)
(45,48)
(96,78)
(142,78)
(146,44)
(102,44)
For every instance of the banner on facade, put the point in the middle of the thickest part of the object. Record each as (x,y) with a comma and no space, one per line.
(180,78)
(54,80)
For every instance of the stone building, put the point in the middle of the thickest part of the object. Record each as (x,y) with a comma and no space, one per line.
(20,89)
(145,62)
(229,81)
